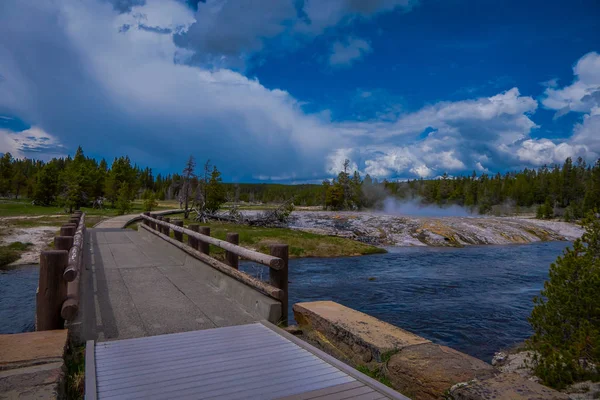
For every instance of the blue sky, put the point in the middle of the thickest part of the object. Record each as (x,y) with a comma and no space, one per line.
(285,90)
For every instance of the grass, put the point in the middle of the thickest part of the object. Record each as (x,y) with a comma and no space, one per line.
(11,253)
(301,244)
(11,208)
(375,373)
(75,379)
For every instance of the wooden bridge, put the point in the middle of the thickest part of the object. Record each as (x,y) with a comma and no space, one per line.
(164,319)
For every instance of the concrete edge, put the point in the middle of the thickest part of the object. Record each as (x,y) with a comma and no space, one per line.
(420,370)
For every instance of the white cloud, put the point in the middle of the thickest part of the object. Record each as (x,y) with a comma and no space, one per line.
(583,94)
(30,143)
(346,53)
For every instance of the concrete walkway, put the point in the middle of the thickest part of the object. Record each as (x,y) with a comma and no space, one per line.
(138,285)
(122,221)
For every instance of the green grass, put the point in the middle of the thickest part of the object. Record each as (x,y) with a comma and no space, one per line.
(301,244)
(12,208)
(11,253)
(375,373)
(75,379)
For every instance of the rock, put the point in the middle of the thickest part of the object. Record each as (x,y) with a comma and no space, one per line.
(356,334)
(584,391)
(505,386)
(428,370)
(31,365)
(518,363)
(499,358)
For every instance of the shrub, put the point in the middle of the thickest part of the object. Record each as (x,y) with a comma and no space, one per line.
(566,317)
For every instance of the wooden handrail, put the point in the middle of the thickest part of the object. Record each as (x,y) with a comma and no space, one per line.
(75,251)
(248,280)
(264,259)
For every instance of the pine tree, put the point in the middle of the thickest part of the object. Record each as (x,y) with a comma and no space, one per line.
(566,318)
(188,175)
(215,192)
(124,199)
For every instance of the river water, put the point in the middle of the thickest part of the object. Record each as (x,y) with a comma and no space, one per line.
(17,299)
(475,299)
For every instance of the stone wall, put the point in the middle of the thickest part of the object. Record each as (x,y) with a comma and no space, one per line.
(415,366)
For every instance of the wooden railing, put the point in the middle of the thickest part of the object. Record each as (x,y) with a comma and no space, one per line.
(57,298)
(198,245)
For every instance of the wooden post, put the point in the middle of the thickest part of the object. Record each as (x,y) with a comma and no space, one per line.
(145,221)
(68,230)
(152,223)
(63,242)
(166,229)
(52,290)
(178,235)
(279,278)
(74,219)
(159,227)
(202,246)
(193,242)
(232,259)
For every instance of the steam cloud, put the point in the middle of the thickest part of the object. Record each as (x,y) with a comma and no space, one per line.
(415,208)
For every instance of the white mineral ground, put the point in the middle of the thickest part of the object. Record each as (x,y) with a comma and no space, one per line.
(38,236)
(396,230)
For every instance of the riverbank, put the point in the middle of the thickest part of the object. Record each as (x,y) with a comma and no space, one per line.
(301,244)
(393,230)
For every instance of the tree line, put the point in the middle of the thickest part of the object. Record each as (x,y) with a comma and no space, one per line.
(568,190)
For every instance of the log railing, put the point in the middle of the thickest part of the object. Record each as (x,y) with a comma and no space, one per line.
(60,269)
(197,246)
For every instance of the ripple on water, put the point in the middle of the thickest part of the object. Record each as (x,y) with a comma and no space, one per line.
(475,299)
(17,299)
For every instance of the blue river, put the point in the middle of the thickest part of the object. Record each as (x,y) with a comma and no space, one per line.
(475,299)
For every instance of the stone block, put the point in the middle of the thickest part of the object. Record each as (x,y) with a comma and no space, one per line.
(428,370)
(353,332)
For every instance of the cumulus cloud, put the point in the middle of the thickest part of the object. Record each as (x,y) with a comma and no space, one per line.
(30,143)
(345,53)
(583,94)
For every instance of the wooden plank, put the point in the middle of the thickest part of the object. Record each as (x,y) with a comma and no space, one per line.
(380,387)
(177,364)
(90,371)
(284,388)
(323,392)
(262,287)
(204,370)
(272,262)
(221,377)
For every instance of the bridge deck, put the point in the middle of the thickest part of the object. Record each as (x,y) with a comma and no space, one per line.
(255,361)
(137,286)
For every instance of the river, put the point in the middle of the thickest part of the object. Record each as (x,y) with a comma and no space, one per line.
(474,299)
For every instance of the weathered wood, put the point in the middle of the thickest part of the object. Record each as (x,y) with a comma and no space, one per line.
(192,241)
(178,235)
(68,230)
(70,306)
(157,226)
(74,220)
(52,290)
(279,278)
(75,253)
(204,247)
(78,212)
(145,221)
(265,259)
(63,242)
(262,287)
(231,258)
(167,226)
(151,223)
